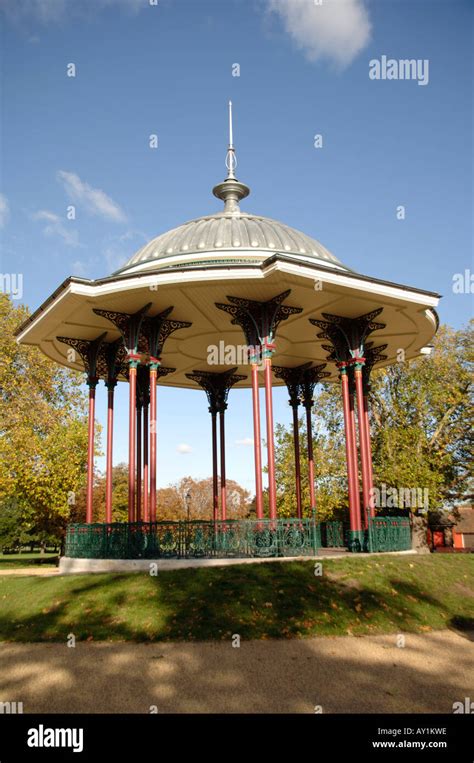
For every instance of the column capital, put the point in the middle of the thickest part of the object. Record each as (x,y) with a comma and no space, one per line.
(92,381)
(357,362)
(133,360)
(154,363)
(259,320)
(268,347)
(216,385)
(342,366)
(255,352)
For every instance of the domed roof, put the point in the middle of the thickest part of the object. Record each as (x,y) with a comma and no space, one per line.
(233,235)
(236,235)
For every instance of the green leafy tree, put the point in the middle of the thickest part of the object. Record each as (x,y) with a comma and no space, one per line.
(43,426)
(423,415)
(422,418)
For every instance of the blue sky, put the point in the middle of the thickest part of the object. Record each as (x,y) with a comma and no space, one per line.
(167,69)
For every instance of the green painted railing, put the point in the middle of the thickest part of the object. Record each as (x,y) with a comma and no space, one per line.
(232,538)
(195,539)
(389,534)
(332,534)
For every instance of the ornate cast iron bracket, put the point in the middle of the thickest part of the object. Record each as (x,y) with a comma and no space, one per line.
(216,386)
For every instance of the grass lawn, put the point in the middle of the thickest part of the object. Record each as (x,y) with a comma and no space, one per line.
(359,596)
(12,561)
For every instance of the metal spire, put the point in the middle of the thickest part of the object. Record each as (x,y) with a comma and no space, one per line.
(231,159)
(231,191)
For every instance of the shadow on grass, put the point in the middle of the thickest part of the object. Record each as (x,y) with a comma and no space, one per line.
(271,601)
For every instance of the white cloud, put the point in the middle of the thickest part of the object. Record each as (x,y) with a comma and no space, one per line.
(119,249)
(55,226)
(92,199)
(47,11)
(184,448)
(79,268)
(246,441)
(336,30)
(4,210)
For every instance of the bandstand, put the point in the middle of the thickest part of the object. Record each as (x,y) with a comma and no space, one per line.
(232,279)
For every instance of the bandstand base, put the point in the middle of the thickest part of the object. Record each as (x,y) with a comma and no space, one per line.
(70,566)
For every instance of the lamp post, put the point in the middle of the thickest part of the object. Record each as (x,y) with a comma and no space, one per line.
(187,499)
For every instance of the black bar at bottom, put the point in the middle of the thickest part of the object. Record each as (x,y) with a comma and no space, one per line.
(140,737)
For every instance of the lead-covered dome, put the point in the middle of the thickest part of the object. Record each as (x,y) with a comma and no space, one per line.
(230,236)
(235,236)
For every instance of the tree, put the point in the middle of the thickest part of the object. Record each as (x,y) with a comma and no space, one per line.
(329,466)
(422,418)
(423,415)
(119,497)
(12,534)
(43,426)
(171,501)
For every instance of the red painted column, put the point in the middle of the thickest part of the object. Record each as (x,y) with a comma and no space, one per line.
(362,438)
(131,440)
(309,435)
(296,443)
(215,489)
(354,450)
(369,456)
(352,478)
(223,477)
(92,383)
(138,512)
(109,455)
(257,442)
(146,510)
(153,426)
(270,438)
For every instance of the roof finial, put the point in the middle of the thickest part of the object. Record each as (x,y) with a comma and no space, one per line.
(231,191)
(231,159)
(231,143)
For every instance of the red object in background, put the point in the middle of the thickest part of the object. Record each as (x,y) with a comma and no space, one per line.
(435,538)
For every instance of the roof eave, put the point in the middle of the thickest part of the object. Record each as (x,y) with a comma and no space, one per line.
(273,259)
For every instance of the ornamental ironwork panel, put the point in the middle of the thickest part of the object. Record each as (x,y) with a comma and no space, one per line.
(389,534)
(217,386)
(347,335)
(193,539)
(296,537)
(154,331)
(128,325)
(332,534)
(258,320)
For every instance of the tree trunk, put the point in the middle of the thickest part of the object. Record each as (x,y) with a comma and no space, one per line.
(419,533)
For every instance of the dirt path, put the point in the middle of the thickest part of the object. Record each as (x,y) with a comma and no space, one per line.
(342,674)
(30,571)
